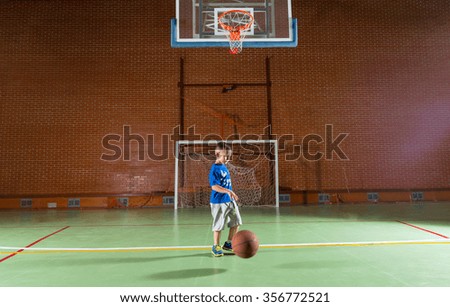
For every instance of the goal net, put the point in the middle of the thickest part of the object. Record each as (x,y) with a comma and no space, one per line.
(253,169)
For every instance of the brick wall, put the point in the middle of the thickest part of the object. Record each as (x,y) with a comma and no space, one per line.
(72,72)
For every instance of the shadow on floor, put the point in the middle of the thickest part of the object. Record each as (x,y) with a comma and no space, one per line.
(130,260)
(185,274)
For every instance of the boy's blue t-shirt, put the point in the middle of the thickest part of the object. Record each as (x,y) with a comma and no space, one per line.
(219,175)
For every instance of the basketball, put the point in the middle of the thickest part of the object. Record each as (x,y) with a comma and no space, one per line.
(245,244)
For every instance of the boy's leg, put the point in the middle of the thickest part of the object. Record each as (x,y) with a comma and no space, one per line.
(233,224)
(235,219)
(227,245)
(232,232)
(216,237)
(218,224)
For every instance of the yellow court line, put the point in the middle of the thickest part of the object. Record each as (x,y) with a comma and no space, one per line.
(360,244)
(56,251)
(34,251)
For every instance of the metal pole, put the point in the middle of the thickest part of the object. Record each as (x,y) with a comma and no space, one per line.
(175,203)
(277,192)
(269,98)
(182,100)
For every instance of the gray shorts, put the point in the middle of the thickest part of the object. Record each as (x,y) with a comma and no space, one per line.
(225,213)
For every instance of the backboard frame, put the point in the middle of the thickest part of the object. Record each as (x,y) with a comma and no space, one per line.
(222,41)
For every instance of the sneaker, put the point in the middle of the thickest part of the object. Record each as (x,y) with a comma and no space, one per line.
(227,246)
(217,251)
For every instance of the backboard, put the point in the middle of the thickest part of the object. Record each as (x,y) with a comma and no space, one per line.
(196,23)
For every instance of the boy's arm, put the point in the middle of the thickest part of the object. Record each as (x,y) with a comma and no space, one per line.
(220,189)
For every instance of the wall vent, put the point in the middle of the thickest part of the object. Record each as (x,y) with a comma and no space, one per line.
(123,201)
(73,203)
(168,200)
(284,198)
(373,197)
(416,196)
(324,198)
(26,203)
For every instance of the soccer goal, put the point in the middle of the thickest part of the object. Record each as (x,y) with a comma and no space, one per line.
(253,170)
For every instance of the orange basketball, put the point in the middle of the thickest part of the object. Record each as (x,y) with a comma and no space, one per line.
(245,244)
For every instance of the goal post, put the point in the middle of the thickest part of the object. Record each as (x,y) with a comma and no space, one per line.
(253,169)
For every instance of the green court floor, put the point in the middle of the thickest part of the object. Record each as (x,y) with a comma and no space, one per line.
(333,245)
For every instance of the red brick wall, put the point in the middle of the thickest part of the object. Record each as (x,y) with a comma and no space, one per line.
(74,71)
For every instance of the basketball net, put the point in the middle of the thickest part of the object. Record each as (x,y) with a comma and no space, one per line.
(236,41)
(236,22)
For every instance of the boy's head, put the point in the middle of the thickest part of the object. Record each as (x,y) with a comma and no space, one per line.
(223,152)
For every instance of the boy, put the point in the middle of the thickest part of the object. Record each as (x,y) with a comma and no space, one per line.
(223,200)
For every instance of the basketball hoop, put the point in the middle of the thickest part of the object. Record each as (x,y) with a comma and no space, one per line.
(236,23)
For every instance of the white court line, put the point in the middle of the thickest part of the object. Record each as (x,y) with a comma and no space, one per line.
(201,247)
